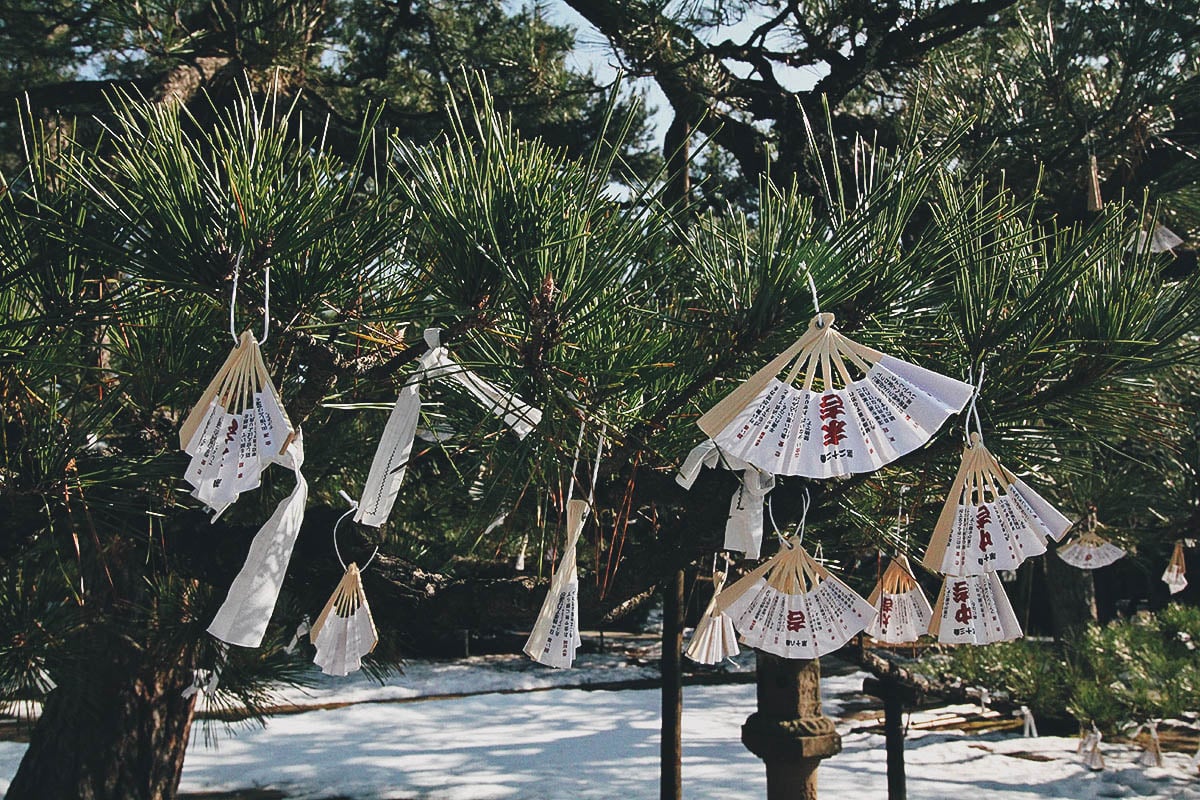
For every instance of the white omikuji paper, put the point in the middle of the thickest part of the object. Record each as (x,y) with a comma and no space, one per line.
(395,445)
(1091,552)
(345,631)
(803,625)
(901,617)
(555,635)
(859,428)
(974,610)
(243,617)
(1175,578)
(744,527)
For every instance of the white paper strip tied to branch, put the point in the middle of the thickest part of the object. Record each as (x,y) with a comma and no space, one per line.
(902,612)
(714,639)
(832,423)
(1029,729)
(555,634)
(744,528)
(236,430)
(345,631)
(973,609)
(793,607)
(1090,550)
(243,617)
(1175,575)
(992,520)
(395,446)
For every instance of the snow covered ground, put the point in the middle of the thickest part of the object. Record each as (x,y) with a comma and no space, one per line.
(564,743)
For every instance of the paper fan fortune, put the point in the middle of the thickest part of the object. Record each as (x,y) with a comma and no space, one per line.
(555,635)
(840,409)
(793,607)
(973,609)
(345,631)
(1090,550)
(902,612)
(714,639)
(1175,575)
(236,430)
(992,520)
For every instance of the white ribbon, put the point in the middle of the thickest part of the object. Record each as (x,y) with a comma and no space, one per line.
(744,527)
(1030,728)
(243,617)
(395,446)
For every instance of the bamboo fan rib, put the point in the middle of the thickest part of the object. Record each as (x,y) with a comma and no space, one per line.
(345,631)
(902,612)
(236,430)
(555,634)
(974,609)
(1175,575)
(1089,550)
(714,639)
(793,607)
(991,521)
(831,423)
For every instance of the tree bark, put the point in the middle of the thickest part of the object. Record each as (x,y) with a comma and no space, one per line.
(112,735)
(1070,593)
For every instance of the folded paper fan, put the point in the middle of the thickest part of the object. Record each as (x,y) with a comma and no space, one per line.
(1176,574)
(395,446)
(1160,240)
(714,639)
(992,520)
(744,527)
(793,607)
(832,424)
(344,632)
(555,634)
(1090,550)
(974,609)
(903,613)
(236,430)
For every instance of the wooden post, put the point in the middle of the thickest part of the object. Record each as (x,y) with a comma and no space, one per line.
(789,732)
(671,753)
(895,695)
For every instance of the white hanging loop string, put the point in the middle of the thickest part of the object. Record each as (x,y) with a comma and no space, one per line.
(799,534)
(901,541)
(353,507)
(574,464)
(783,542)
(812,285)
(972,411)
(237,268)
(596,465)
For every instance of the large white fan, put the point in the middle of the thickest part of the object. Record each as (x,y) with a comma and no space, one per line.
(555,634)
(714,639)
(832,423)
(793,607)
(344,632)
(236,430)
(992,520)
(902,612)
(973,609)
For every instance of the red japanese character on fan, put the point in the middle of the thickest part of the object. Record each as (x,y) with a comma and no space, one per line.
(982,518)
(833,407)
(795,620)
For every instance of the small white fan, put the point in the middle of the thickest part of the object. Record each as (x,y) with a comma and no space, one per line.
(973,609)
(555,634)
(902,612)
(1175,575)
(344,632)
(1090,550)
(236,430)
(831,423)
(714,639)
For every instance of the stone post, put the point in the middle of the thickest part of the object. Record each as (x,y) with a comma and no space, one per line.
(789,732)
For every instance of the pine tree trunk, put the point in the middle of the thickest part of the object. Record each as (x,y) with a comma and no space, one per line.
(115,735)
(1070,595)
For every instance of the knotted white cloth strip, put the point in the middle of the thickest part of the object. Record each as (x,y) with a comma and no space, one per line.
(395,446)
(243,617)
(744,527)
